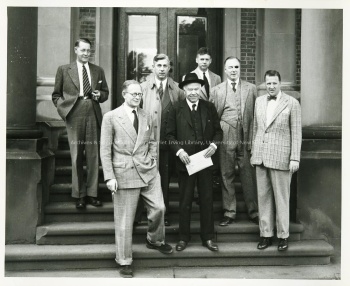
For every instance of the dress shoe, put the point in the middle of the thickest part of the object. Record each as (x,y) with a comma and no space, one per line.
(226,221)
(181,245)
(166,222)
(210,245)
(80,203)
(255,220)
(265,242)
(126,271)
(94,202)
(163,248)
(283,244)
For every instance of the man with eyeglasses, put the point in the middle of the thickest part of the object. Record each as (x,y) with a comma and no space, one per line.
(79,89)
(160,92)
(234,100)
(129,162)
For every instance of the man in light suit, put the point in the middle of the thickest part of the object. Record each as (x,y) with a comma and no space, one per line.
(211,79)
(79,88)
(160,92)
(234,100)
(129,161)
(276,155)
(193,126)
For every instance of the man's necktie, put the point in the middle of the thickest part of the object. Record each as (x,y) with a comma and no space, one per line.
(269,97)
(206,85)
(136,121)
(86,84)
(193,108)
(160,90)
(234,86)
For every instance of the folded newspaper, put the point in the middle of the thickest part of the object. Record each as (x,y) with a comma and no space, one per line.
(198,162)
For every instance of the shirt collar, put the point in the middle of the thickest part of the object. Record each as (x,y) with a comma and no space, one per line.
(231,81)
(164,82)
(190,104)
(81,65)
(201,72)
(128,109)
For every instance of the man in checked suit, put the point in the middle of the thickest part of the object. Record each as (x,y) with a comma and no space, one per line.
(79,88)
(160,92)
(276,155)
(211,79)
(129,161)
(234,100)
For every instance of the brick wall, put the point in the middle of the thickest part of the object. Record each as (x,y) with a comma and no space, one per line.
(248,44)
(87,20)
(298,44)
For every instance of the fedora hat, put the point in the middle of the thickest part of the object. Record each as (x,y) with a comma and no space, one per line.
(191,78)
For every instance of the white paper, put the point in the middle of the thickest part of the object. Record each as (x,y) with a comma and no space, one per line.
(198,162)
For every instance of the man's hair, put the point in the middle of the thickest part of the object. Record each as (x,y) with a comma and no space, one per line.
(159,57)
(84,40)
(232,58)
(272,73)
(204,51)
(129,82)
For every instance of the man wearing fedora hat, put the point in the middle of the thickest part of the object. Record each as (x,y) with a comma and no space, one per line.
(193,126)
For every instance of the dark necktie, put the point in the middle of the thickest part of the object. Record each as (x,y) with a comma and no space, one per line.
(193,108)
(234,86)
(136,121)
(86,84)
(269,97)
(160,90)
(206,84)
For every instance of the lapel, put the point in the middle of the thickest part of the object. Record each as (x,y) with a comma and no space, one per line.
(124,121)
(211,78)
(283,102)
(172,95)
(222,99)
(244,94)
(186,112)
(94,75)
(204,113)
(74,75)
(142,128)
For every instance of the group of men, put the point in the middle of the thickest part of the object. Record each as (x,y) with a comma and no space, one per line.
(139,147)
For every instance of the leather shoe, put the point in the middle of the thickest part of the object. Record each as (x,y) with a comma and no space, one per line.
(181,245)
(226,221)
(163,248)
(126,271)
(265,242)
(80,203)
(283,244)
(166,222)
(255,220)
(94,202)
(210,245)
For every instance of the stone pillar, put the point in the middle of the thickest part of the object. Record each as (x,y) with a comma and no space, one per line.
(319,177)
(29,164)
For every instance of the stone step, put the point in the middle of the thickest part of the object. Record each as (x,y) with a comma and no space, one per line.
(102,232)
(67,212)
(58,257)
(62,192)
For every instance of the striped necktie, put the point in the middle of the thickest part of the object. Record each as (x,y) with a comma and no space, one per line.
(86,84)
(160,90)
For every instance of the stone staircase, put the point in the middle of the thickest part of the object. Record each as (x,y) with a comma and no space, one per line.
(84,239)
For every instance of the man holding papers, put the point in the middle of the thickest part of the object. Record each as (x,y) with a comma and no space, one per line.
(193,126)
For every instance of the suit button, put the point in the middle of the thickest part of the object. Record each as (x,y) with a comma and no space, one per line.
(132,167)
(156,112)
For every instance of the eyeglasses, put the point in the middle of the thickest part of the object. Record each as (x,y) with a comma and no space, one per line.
(135,94)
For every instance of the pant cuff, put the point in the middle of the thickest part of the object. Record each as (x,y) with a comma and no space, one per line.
(124,261)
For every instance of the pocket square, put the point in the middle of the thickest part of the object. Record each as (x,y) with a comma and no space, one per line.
(100,81)
(147,128)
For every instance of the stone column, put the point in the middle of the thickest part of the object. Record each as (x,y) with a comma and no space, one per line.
(29,164)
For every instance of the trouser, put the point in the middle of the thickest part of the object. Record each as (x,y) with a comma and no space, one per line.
(166,163)
(273,194)
(125,203)
(83,135)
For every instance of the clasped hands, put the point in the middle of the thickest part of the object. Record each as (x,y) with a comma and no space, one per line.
(186,159)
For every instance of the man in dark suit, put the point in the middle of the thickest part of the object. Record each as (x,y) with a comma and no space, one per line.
(193,126)
(79,88)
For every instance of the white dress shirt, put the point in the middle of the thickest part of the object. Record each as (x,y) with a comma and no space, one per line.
(164,82)
(199,73)
(129,111)
(80,72)
(271,106)
(231,81)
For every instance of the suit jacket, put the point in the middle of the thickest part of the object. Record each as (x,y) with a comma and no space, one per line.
(180,132)
(214,81)
(67,89)
(159,112)
(248,97)
(278,143)
(125,155)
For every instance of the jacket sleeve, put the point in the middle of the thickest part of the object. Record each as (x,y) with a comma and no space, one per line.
(218,133)
(255,128)
(171,131)
(296,133)
(251,122)
(58,88)
(107,135)
(104,87)
(152,146)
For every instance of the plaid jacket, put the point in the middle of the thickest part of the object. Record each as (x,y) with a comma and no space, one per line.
(276,144)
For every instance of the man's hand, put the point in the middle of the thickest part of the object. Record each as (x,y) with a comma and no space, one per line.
(209,151)
(96,95)
(184,157)
(293,166)
(112,185)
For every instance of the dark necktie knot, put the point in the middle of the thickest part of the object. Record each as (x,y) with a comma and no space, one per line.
(193,107)
(160,90)
(270,97)
(234,86)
